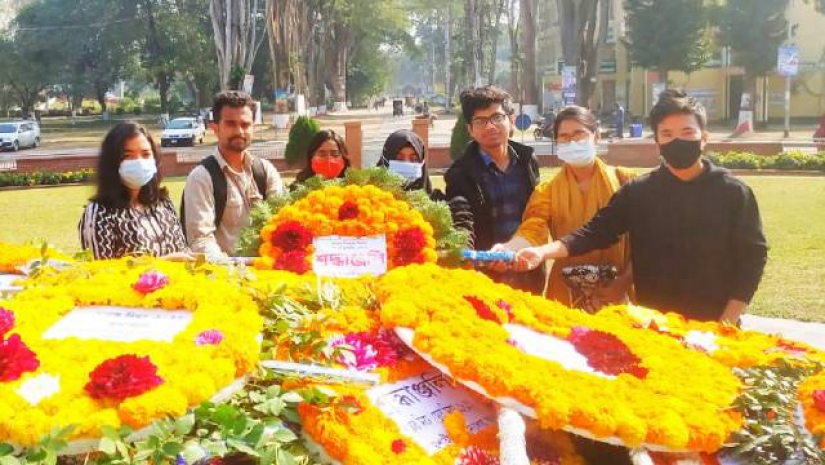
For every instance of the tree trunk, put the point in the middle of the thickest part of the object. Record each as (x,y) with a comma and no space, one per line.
(75,101)
(338,65)
(570,21)
(471,38)
(527,11)
(100,95)
(448,56)
(515,54)
(235,31)
(491,78)
(597,14)
(163,89)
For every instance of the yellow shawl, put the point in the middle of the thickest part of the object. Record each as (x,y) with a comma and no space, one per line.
(558,207)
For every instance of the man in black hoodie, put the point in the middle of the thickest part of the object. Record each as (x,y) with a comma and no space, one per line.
(496,176)
(696,238)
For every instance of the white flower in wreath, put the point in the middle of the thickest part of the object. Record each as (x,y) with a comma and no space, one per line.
(39,387)
(701,340)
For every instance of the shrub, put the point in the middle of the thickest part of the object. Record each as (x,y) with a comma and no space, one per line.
(791,161)
(299,136)
(460,138)
(40,178)
(737,160)
(151,104)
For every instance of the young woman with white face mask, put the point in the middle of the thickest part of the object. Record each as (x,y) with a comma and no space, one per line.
(567,201)
(130,213)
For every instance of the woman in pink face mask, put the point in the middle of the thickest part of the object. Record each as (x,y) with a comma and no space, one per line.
(326,157)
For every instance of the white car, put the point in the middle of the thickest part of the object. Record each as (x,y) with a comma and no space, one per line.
(183,131)
(15,135)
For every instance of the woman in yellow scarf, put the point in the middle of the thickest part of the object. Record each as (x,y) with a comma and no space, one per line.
(568,201)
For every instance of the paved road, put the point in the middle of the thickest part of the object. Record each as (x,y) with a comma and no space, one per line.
(810,333)
(376,127)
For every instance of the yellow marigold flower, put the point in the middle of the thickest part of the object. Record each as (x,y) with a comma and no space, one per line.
(161,402)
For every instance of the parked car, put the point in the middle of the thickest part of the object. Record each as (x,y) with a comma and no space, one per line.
(183,131)
(15,135)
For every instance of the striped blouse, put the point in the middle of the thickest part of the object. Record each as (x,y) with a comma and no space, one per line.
(115,232)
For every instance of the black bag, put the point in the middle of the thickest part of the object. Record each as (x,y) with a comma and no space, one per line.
(219,187)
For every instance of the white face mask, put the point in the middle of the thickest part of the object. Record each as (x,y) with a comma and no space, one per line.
(577,153)
(136,173)
(409,170)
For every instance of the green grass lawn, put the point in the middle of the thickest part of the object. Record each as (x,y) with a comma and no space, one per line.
(793,212)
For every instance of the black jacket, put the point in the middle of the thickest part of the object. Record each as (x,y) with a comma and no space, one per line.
(694,245)
(464,179)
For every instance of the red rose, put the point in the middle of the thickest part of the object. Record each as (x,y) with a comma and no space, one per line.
(15,359)
(348,211)
(398,446)
(291,235)
(482,309)
(606,353)
(294,261)
(408,246)
(819,400)
(6,321)
(123,377)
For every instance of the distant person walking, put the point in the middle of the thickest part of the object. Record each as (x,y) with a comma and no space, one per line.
(618,120)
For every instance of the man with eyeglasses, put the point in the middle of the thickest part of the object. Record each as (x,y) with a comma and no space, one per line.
(496,176)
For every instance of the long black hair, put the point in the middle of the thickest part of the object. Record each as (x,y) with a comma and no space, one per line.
(314,144)
(111,192)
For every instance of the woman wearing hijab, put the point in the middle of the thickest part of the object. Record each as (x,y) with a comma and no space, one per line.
(405,154)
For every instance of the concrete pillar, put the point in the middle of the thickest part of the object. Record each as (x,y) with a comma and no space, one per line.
(354,138)
(422,128)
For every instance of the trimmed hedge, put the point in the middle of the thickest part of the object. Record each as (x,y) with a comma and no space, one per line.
(299,137)
(460,137)
(44,178)
(791,161)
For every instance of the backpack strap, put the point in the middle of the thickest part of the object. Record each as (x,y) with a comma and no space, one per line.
(219,187)
(259,175)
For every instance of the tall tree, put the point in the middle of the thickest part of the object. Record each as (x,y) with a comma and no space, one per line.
(513,31)
(667,35)
(471,43)
(754,30)
(584,27)
(33,72)
(350,22)
(239,28)
(91,57)
(528,11)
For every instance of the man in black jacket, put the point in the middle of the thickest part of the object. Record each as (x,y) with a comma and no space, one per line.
(495,175)
(696,236)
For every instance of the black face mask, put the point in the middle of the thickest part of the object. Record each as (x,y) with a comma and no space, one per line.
(681,154)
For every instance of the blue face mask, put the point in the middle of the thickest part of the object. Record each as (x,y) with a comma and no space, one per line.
(578,154)
(137,173)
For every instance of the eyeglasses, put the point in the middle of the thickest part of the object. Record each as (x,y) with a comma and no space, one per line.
(577,136)
(480,122)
